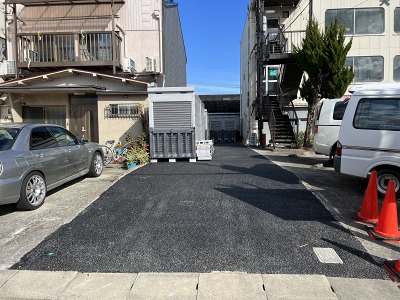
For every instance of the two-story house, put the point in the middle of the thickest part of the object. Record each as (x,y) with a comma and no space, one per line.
(269,76)
(87,64)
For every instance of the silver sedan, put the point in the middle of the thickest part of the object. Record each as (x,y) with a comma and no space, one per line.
(36,158)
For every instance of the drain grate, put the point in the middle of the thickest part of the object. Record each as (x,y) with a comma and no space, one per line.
(327,256)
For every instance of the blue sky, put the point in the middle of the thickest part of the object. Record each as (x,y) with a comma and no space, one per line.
(212,30)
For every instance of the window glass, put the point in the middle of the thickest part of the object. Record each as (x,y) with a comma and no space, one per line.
(122,111)
(32,114)
(345,18)
(339,109)
(55,115)
(368,68)
(273,87)
(396,68)
(397,19)
(41,139)
(273,73)
(379,114)
(369,20)
(63,137)
(7,137)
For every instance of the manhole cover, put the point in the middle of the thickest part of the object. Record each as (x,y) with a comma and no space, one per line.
(327,256)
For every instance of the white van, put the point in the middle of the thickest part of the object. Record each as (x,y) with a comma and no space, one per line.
(369,137)
(329,115)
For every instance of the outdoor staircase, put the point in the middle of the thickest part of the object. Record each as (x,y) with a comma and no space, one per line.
(284,135)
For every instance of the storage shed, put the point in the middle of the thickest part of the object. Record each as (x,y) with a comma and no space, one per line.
(177,120)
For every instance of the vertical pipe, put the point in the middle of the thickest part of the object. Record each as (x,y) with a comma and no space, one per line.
(114,50)
(15,46)
(310,10)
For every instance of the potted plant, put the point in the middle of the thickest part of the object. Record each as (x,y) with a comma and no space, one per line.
(130,158)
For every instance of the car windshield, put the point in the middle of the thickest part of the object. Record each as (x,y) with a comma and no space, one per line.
(7,137)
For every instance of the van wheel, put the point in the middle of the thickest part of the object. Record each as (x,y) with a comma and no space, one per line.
(383,177)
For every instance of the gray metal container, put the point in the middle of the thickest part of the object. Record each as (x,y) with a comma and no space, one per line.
(177,120)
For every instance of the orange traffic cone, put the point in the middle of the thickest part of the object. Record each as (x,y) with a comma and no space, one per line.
(369,208)
(388,226)
(393,267)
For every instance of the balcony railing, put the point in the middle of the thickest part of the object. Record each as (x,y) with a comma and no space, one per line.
(282,42)
(68,49)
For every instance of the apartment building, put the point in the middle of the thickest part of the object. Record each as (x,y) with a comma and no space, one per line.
(269,76)
(87,64)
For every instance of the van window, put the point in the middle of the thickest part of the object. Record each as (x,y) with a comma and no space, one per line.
(378,114)
(339,109)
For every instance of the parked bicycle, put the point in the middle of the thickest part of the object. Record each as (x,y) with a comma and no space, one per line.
(114,154)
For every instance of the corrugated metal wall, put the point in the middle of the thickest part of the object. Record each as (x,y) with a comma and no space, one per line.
(138,14)
(171,115)
(44,13)
(133,15)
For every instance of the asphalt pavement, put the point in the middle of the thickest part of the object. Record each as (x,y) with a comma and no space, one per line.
(239,218)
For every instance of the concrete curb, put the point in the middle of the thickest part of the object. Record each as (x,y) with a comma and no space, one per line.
(215,285)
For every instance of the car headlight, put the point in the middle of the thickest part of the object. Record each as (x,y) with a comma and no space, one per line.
(1,168)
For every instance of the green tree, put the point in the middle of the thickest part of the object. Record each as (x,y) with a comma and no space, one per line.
(322,56)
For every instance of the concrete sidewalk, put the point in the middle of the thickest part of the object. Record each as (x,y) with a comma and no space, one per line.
(216,285)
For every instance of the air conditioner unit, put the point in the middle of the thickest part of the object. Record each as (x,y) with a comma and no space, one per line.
(8,67)
(150,64)
(128,65)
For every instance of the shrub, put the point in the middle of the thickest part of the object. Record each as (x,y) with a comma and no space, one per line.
(138,150)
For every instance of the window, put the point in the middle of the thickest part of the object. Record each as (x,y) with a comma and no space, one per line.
(369,20)
(358,20)
(396,68)
(379,114)
(46,114)
(345,18)
(122,111)
(63,137)
(7,138)
(339,109)
(41,139)
(366,68)
(397,19)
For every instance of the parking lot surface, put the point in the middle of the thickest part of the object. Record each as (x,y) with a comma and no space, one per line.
(239,212)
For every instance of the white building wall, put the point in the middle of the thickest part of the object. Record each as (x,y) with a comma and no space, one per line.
(248,67)
(386,44)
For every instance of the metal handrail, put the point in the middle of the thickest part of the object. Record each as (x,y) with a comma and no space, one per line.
(285,39)
(272,124)
(293,118)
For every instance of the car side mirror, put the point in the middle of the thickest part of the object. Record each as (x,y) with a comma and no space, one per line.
(84,141)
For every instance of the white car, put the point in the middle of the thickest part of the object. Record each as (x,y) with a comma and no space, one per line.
(369,137)
(329,115)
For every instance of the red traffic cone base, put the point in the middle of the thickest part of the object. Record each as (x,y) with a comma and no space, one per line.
(388,226)
(369,208)
(393,267)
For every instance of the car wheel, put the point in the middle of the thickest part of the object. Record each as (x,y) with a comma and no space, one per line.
(33,192)
(96,166)
(383,177)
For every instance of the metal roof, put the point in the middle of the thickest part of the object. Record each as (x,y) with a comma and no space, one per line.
(28,84)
